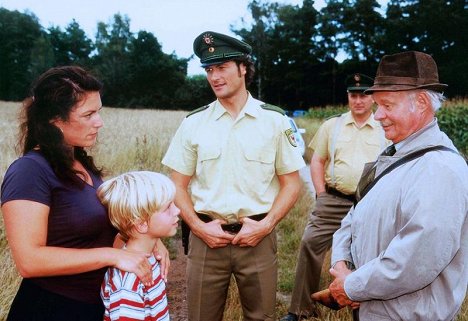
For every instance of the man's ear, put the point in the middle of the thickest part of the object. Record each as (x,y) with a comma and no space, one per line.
(141,227)
(243,69)
(423,102)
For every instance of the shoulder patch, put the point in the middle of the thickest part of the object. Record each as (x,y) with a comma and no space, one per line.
(197,110)
(291,138)
(273,108)
(334,116)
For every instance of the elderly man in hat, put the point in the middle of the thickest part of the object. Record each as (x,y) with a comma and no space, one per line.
(406,239)
(342,145)
(235,165)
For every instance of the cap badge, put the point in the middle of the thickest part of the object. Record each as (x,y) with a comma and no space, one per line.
(208,39)
(357,77)
(211,49)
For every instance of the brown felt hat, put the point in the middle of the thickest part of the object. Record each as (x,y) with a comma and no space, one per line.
(407,71)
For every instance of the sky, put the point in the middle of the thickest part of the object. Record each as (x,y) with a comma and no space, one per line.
(175,23)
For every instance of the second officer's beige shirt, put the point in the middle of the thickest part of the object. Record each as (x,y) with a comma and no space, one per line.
(354,146)
(234,163)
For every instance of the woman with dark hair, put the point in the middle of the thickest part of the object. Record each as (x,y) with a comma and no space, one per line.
(58,231)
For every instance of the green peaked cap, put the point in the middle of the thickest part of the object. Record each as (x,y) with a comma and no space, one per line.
(214,48)
(358,82)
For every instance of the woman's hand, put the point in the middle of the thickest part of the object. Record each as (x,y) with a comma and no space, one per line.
(134,262)
(162,255)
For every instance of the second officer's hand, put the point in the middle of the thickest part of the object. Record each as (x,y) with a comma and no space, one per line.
(213,235)
(251,233)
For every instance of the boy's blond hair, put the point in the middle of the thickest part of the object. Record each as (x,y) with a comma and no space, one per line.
(135,196)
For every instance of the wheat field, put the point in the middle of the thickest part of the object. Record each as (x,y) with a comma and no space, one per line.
(137,140)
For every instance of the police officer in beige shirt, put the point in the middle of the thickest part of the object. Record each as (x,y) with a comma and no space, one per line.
(235,165)
(342,145)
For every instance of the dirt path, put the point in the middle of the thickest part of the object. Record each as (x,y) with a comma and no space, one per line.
(176,286)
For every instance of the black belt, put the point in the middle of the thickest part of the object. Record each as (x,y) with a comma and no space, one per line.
(233,227)
(335,192)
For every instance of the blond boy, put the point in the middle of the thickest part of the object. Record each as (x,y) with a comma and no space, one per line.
(140,205)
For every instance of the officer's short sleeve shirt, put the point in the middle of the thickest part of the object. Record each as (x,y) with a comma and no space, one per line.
(354,146)
(234,164)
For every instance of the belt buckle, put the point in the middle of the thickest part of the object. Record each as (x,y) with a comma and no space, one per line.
(233,228)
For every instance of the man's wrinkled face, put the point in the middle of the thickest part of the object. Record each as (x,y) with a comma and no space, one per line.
(397,113)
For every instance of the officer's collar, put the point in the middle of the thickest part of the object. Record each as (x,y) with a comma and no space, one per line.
(250,108)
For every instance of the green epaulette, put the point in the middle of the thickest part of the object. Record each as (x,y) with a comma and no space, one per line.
(337,115)
(197,110)
(273,108)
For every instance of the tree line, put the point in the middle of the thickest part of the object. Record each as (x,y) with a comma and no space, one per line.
(296,50)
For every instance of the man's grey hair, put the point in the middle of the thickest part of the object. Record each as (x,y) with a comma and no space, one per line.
(435,97)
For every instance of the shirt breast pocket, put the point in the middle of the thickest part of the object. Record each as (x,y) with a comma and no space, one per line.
(374,141)
(374,146)
(259,168)
(342,141)
(208,163)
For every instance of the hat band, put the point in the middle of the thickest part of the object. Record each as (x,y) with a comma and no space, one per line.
(224,55)
(409,81)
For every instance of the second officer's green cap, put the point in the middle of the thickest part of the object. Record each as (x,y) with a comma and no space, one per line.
(358,82)
(215,48)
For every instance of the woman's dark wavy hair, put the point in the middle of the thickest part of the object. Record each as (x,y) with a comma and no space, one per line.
(250,68)
(53,96)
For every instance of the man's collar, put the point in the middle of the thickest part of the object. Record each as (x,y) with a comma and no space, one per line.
(370,120)
(250,108)
(218,110)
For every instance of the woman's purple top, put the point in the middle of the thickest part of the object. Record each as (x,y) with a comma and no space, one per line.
(76,220)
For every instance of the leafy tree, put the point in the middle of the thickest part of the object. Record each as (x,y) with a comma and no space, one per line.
(113,44)
(71,46)
(363,30)
(282,39)
(263,15)
(42,56)
(434,27)
(295,60)
(154,76)
(17,32)
(350,28)
(195,93)
(295,48)
(330,36)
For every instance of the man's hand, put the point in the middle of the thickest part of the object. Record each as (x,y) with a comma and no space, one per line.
(251,233)
(213,235)
(340,271)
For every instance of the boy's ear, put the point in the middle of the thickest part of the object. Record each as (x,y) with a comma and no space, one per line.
(141,227)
